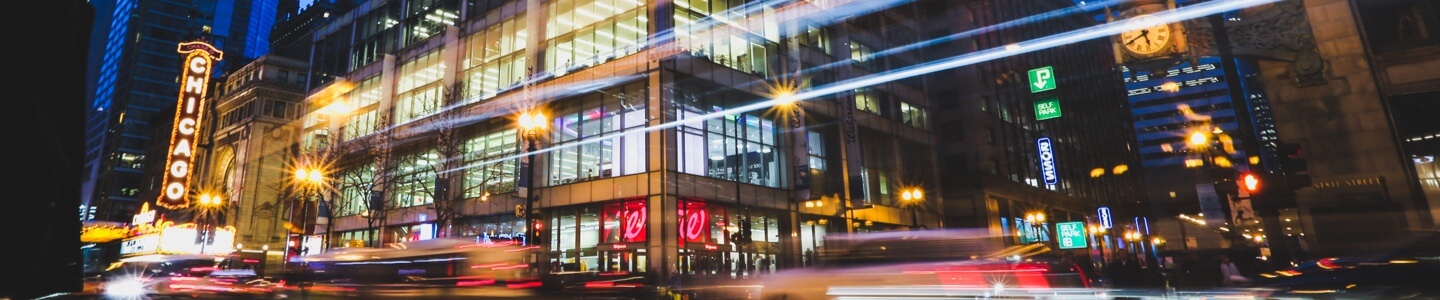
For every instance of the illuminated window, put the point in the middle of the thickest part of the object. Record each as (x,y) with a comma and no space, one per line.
(584,33)
(591,116)
(364,101)
(354,185)
(414,179)
(740,147)
(735,34)
(914,116)
(861,54)
(419,89)
(495,60)
(493,178)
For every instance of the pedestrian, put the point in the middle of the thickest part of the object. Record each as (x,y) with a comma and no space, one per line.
(1230,275)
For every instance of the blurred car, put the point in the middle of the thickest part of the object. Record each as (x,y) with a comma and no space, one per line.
(1406,271)
(154,275)
(939,263)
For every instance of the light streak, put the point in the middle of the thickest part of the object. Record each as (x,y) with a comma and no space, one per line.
(1064,38)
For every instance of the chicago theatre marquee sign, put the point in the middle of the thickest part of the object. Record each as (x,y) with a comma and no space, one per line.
(179,160)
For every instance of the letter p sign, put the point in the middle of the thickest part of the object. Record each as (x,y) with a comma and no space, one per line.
(1042,79)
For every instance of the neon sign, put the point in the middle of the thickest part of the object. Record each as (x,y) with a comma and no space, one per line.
(188,113)
(694,222)
(1047,161)
(625,222)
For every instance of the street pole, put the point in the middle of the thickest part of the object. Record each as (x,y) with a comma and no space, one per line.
(530,194)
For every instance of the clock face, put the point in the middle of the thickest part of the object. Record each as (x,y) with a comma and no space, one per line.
(1147,37)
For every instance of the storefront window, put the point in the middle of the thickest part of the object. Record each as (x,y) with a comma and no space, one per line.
(495,229)
(411,233)
(812,238)
(705,230)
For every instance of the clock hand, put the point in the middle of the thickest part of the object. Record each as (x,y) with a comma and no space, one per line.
(1145,33)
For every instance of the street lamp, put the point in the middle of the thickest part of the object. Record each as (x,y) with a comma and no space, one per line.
(206,206)
(1034,220)
(913,197)
(311,179)
(531,124)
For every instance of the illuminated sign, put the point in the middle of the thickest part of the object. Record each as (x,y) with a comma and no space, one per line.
(146,216)
(1105,220)
(1047,108)
(181,239)
(1071,234)
(625,222)
(694,222)
(195,77)
(1042,79)
(1047,161)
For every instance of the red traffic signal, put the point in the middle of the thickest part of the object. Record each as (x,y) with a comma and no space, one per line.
(1250,182)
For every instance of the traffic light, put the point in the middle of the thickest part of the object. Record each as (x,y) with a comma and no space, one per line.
(1250,182)
(1293,166)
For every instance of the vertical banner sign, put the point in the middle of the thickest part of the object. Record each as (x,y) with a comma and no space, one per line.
(1047,108)
(1047,161)
(1104,215)
(800,154)
(854,164)
(1042,79)
(1072,235)
(195,78)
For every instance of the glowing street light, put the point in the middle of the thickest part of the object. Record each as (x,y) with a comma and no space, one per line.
(530,125)
(1198,139)
(913,197)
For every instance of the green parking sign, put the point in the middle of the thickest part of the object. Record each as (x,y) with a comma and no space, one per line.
(1071,234)
(1047,108)
(1042,79)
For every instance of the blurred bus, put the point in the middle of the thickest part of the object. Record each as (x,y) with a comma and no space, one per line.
(436,267)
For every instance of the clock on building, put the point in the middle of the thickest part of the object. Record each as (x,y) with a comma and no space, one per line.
(1148,37)
(1148,43)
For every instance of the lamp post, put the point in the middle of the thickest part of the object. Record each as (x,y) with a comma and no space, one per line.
(913,197)
(1034,220)
(312,179)
(207,205)
(531,124)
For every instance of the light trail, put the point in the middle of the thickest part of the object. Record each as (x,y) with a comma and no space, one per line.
(1078,35)
(973,32)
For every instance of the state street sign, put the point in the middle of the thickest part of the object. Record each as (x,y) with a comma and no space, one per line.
(1047,108)
(1042,79)
(1072,235)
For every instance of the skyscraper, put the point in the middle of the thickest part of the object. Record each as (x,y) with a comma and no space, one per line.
(137,78)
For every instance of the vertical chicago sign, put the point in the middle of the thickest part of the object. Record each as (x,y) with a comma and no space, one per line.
(195,79)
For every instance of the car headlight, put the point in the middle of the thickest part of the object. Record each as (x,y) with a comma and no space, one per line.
(125,288)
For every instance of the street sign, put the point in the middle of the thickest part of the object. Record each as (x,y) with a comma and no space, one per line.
(519,211)
(1047,108)
(1042,79)
(1072,235)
